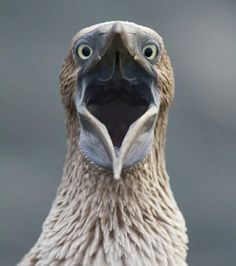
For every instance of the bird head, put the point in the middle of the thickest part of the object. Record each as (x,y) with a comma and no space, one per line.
(116,85)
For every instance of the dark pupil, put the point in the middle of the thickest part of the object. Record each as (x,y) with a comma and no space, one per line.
(148,52)
(86,51)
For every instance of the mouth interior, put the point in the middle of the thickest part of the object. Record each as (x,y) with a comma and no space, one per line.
(117,105)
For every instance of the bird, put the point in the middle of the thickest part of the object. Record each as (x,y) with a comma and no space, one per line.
(114,205)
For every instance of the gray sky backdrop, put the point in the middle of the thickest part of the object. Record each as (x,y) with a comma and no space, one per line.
(201,39)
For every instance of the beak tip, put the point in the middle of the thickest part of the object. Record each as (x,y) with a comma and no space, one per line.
(117,168)
(116,177)
(117,28)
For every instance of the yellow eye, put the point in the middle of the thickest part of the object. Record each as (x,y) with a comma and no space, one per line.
(84,51)
(150,51)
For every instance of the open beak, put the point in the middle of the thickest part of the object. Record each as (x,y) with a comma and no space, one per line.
(117,102)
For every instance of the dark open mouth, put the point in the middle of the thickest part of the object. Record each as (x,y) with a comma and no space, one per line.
(117,104)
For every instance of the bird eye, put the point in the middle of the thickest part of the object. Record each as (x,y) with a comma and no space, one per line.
(150,51)
(84,51)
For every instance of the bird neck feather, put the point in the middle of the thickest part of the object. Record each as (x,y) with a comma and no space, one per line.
(97,220)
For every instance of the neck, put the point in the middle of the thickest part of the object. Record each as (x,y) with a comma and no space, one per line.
(96,220)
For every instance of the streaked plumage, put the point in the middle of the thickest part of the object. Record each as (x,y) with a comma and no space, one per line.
(97,219)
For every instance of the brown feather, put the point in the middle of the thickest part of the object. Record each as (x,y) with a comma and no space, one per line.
(96,220)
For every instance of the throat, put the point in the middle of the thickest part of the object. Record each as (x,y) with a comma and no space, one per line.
(96,220)
(118,103)
(117,116)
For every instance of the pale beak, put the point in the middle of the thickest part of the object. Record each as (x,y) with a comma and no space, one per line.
(117,102)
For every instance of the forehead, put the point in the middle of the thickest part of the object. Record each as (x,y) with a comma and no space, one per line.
(129,27)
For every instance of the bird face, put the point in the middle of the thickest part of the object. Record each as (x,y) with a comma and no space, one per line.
(117,92)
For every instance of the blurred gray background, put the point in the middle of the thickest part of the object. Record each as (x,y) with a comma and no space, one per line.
(201,39)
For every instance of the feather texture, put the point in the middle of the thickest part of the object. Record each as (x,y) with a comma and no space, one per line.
(97,220)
